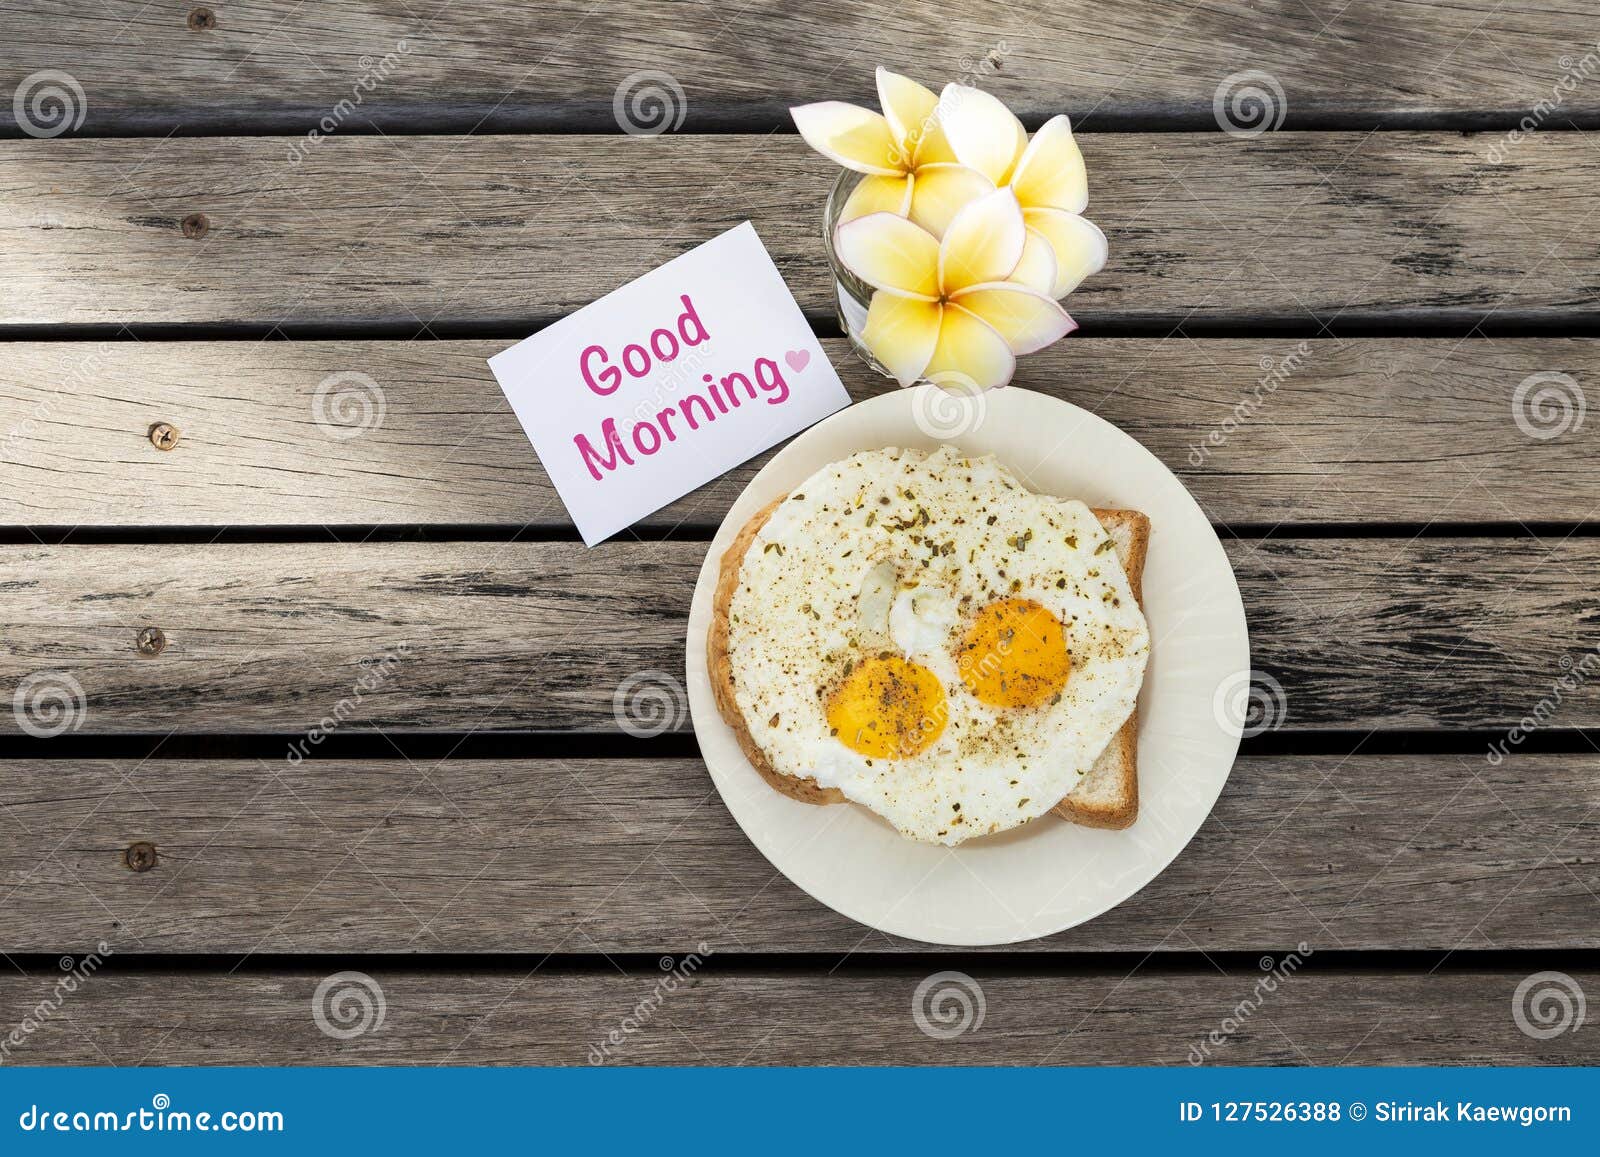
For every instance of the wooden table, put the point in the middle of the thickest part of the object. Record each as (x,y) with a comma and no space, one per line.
(1414,538)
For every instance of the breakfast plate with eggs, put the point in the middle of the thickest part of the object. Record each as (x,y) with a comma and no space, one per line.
(967,689)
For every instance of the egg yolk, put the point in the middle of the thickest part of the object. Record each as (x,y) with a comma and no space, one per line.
(887,708)
(1014,654)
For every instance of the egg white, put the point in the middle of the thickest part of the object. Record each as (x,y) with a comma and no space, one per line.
(877,552)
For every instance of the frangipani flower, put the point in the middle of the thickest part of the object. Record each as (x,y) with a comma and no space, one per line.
(909,166)
(1047,174)
(951,310)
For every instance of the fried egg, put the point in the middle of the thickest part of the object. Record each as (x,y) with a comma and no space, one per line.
(927,635)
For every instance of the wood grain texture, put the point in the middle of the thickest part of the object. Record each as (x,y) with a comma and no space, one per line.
(1261,431)
(1316,1016)
(279,638)
(492,64)
(423,231)
(572,856)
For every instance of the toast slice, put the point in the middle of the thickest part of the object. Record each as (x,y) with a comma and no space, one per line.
(1108,794)
(1106,797)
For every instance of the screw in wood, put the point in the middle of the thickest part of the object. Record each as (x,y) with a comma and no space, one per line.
(141,856)
(195,226)
(152,641)
(163,435)
(202,19)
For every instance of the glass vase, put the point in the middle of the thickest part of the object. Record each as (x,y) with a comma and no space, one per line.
(852,296)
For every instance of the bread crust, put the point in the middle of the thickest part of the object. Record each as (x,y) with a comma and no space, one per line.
(719,666)
(1126,741)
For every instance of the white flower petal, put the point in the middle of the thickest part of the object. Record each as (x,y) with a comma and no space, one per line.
(877,195)
(983,243)
(854,137)
(984,134)
(1050,174)
(1037,269)
(942,191)
(1026,318)
(969,354)
(889,252)
(901,332)
(933,147)
(907,106)
(1080,247)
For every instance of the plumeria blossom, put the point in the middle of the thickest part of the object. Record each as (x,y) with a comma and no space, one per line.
(909,165)
(951,310)
(1046,173)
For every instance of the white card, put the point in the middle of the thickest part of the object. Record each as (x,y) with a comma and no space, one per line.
(668,382)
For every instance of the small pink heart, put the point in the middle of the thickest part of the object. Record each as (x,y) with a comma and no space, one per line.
(797,359)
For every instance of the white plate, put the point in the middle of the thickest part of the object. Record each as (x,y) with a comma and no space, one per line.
(1047,875)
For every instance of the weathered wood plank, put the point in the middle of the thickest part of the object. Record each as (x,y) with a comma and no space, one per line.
(277,638)
(418,231)
(489,65)
(1315,1016)
(1261,431)
(1370,852)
